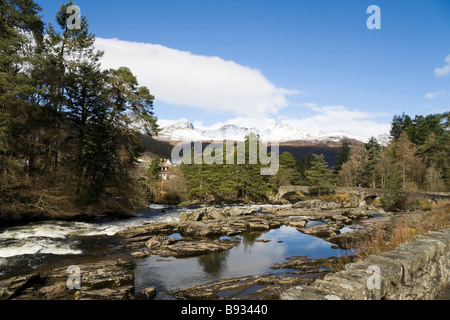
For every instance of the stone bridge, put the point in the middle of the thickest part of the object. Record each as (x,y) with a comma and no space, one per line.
(367,195)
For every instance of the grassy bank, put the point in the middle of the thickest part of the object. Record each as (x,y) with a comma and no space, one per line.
(383,238)
(436,217)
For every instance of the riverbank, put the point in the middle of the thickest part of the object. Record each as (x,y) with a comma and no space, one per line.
(148,257)
(69,213)
(418,270)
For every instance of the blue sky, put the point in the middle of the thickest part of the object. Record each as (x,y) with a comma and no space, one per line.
(306,63)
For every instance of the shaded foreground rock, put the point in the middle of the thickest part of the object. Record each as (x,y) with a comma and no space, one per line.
(104,280)
(146,294)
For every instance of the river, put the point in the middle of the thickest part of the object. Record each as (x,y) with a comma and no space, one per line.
(37,245)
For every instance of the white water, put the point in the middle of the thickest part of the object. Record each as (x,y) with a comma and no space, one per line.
(59,238)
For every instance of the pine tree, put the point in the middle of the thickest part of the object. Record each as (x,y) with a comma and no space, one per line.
(400,124)
(342,157)
(287,173)
(125,94)
(154,169)
(303,165)
(20,25)
(320,177)
(252,185)
(373,154)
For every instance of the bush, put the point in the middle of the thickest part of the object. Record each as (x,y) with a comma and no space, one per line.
(340,198)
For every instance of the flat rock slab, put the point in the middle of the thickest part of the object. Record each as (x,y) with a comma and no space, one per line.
(104,280)
(172,247)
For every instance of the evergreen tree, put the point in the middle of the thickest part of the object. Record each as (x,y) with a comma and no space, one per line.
(126,96)
(393,197)
(287,173)
(373,154)
(20,25)
(400,124)
(211,183)
(319,175)
(252,185)
(154,169)
(65,125)
(342,157)
(304,165)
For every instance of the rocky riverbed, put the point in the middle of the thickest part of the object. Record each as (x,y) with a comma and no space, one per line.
(198,233)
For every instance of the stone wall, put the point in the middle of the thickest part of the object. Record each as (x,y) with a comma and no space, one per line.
(419,270)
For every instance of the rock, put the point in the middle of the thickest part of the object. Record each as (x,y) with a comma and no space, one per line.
(414,270)
(140,254)
(298,223)
(316,204)
(193,248)
(322,231)
(109,279)
(300,294)
(12,287)
(193,215)
(200,229)
(258,225)
(249,288)
(359,213)
(213,213)
(307,265)
(146,294)
(275,224)
(147,230)
(160,241)
(106,294)
(54,292)
(277,209)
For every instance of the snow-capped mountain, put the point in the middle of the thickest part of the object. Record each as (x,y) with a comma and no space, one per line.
(184,130)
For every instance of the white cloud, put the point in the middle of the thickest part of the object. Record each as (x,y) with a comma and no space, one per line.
(445,70)
(185,79)
(335,119)
(436,94)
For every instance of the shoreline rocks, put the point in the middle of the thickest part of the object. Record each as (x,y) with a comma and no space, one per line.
(199,233)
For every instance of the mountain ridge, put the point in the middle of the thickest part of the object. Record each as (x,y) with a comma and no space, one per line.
(184,130)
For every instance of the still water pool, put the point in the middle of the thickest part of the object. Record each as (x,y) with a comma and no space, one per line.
(255,254)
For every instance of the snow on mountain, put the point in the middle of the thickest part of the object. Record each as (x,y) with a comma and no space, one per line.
(184,130)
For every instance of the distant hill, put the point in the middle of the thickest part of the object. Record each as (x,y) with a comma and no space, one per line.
(162,149)
(299,149)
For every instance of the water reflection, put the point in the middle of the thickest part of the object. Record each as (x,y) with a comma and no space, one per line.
(249,257)
(214,264)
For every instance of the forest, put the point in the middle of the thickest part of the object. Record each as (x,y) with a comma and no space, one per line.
(416,157)
(68,146)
